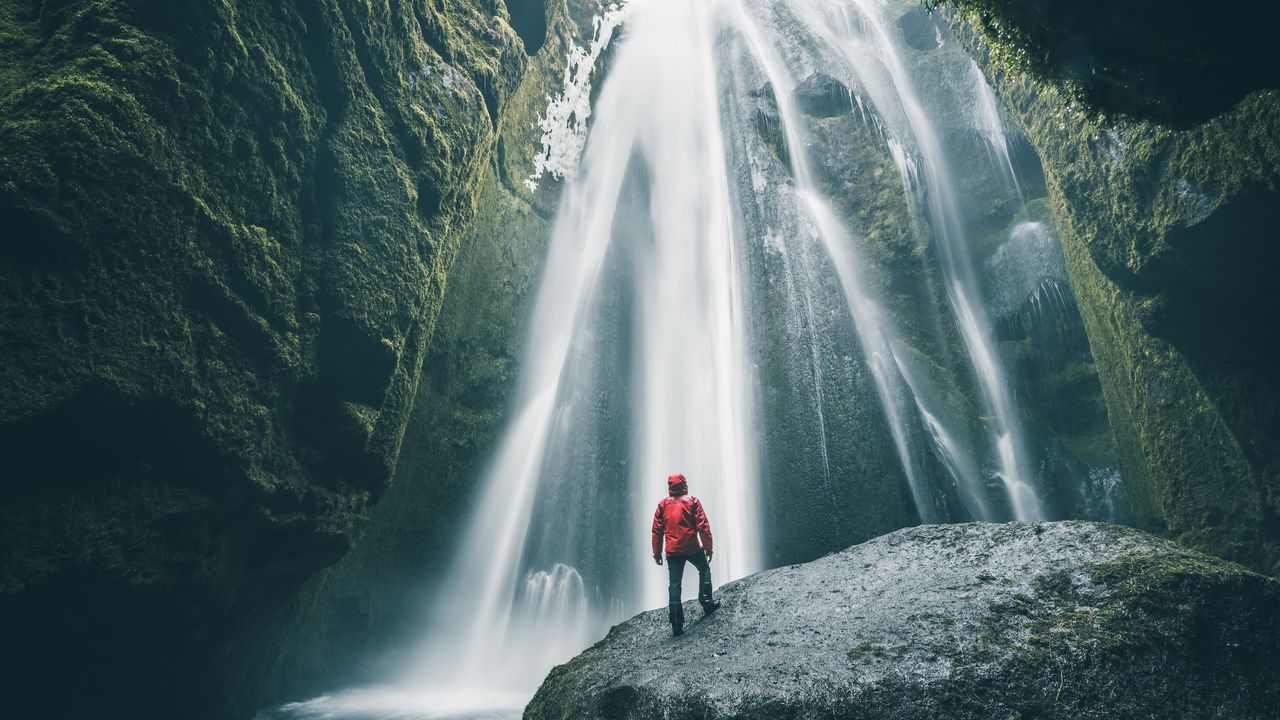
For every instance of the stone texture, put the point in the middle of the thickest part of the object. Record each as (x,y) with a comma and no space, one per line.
(1054,620)
(1175,63)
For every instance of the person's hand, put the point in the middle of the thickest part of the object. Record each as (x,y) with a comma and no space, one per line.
(657,559)
(708,553)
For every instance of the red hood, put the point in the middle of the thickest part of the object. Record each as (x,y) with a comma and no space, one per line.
(676,485)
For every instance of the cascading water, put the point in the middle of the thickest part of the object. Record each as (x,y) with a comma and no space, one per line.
(856,32)
(990,123)
(635,361)
(643,354)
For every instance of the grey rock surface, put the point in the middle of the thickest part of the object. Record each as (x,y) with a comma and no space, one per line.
(1053,620)
(821,95)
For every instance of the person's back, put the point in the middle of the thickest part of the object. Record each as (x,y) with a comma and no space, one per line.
(681,525)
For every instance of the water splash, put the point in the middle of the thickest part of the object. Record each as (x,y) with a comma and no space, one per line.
(650,201)
(1027,257)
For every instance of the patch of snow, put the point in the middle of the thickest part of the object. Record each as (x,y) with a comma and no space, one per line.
(564,124)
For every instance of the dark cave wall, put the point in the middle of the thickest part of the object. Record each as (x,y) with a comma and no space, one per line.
(1170,242)
(228,231)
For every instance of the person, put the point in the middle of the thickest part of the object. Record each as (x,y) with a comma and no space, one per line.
(681,522)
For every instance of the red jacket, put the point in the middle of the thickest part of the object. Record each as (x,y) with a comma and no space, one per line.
(681,521)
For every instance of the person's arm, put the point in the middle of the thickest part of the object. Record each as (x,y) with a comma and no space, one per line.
(659,528)
(703,525)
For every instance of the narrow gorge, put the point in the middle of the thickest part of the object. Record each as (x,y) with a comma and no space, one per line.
(346,348)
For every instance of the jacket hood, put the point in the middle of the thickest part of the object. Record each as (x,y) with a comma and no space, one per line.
(677,485)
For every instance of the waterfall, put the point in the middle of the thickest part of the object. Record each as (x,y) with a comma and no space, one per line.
(636,368)
(991,124)
(856,32)
(643,356)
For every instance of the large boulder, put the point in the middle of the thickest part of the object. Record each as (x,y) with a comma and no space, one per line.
(1051,620)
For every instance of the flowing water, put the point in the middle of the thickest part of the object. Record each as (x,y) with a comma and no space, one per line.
(679,220)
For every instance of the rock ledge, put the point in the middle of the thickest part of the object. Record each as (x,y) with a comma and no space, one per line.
(1052,620)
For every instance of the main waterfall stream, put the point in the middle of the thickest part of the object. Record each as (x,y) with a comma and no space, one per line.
(714,302)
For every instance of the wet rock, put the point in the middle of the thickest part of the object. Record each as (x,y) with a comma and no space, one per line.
(821,95)
(919,29)
(957,621)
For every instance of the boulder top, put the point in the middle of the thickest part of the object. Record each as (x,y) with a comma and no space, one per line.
(1017,620)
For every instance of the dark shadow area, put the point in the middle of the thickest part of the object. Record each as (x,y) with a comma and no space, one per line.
(529,20)
(90,642)
(99,609)
(1220,311)
(1178,63)
(99,435)
(34,236)
(1217,308)
(133,582)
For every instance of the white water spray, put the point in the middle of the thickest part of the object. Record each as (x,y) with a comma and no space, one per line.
(646,223)
(991,124)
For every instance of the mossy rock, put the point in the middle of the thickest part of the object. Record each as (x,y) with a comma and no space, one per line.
(368,605)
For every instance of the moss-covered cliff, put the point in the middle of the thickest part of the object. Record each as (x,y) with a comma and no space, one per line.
(228,231)
(1169,238)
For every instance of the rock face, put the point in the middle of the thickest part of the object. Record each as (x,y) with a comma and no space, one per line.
(227,233)
(920,30)
(823,96)
(1057,620)
(824,497)
(1169,243)
(1172,63)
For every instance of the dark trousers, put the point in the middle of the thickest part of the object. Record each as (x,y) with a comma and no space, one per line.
(675,573)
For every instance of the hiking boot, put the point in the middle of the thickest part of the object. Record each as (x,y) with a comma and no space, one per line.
(675,613)
(710,607)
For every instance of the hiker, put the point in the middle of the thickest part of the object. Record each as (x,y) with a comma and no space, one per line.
(681,521)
